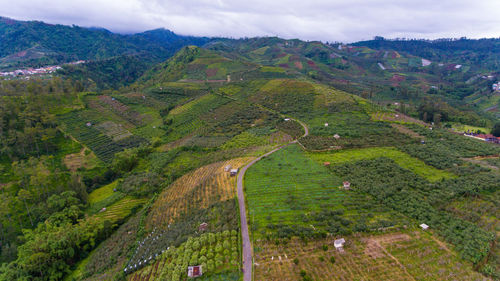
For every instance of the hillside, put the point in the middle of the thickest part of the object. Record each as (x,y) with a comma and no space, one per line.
(386,72)
(114,170)
(34,43)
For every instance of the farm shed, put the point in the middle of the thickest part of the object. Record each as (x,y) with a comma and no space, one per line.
(424,226)
(203,227)
(194,271)
(234,172)
(347,185)
(339,244)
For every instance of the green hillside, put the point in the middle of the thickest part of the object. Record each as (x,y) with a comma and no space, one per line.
(115,170)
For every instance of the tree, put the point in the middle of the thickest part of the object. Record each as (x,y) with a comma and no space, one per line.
(496,130)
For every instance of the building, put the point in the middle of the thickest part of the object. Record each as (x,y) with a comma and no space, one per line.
(203,227)
(336,136)
(347,185)
(424,226)
(326,124)
(339,244)
(227,168)
(233,172)
(194,271)
(326,164)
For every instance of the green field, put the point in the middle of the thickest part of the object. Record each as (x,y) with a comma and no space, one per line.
(402,159)
(120,210)
(288,189)
(102,193)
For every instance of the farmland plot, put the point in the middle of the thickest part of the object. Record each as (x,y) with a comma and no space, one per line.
(289,194)
(197,189)
(402,159)
(113,130)
(395,256)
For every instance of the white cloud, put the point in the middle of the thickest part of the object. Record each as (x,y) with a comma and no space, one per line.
(327,20)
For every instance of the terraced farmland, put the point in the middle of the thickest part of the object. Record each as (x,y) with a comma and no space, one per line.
(102,145)
(289,194)
(120,210)
(197,189)
(402,159)
(397,256)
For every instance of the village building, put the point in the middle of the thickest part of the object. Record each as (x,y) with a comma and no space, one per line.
(326,164)
(326,124)
(194,271)
(227,168)
(336,136)
(203,227)
(424,226)
(233,172)
(347,185)
(339,244)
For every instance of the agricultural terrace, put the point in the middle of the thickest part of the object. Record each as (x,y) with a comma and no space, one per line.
(396,118)
(289,194)
(197,189)
(396,256)
(83,159)
(120,209)
(81,125)
(402,159)
(102,193)
(185,118)
(215,252)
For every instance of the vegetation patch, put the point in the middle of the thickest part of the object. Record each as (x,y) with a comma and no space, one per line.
(402,159)
(290,195)
(394,256)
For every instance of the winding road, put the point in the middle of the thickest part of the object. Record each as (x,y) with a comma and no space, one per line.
(247,245)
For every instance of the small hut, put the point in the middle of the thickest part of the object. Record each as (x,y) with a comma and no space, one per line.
(326,124)
(339,244)
(424,226)
(194,271)
(347,185)
(336,136)
(203,227)
(234,172)
(326,164)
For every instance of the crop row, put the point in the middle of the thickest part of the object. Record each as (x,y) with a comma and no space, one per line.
(103,146)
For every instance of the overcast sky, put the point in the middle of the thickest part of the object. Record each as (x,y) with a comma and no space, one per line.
(325,20)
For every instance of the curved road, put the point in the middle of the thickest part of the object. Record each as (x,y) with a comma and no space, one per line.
(247,245)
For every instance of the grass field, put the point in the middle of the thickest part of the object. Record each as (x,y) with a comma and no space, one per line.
(464,128)
(402,159)
(102,193)
(396,256)
(120,209)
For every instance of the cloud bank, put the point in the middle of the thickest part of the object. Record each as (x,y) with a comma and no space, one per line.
(325,20)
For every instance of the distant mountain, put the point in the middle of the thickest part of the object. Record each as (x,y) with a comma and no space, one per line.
(34,43)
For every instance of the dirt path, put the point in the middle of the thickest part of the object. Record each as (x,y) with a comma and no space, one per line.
(247,245)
